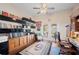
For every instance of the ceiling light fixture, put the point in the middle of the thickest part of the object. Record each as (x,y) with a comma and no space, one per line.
(43,9)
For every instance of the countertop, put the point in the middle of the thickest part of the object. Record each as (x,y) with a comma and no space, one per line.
(3,38)
(74,42)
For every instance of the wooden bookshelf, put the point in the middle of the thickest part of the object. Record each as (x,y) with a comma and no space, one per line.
(17,38)
(19,43)
(75,24)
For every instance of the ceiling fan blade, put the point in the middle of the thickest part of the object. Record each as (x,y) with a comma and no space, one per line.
(52,8)
(36,8)
(38,12)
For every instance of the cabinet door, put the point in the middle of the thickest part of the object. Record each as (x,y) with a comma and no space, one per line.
(27,40)
(11,44)
(21,41)
(32,39)
(24,39)
(17,43)
(77,24)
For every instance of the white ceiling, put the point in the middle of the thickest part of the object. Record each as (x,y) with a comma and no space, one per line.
(27,8)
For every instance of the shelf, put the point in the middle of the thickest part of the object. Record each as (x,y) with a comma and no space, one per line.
(14,28)
(5,18)
(29,20)
(21,22)
(5,30)
(32,26)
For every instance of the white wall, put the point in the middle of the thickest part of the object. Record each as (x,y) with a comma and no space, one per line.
(8,8)
(61,18)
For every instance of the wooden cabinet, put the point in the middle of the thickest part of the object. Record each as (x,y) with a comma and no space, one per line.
(75,24)
(19,43)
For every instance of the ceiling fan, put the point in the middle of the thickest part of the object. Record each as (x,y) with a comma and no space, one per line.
(43,9)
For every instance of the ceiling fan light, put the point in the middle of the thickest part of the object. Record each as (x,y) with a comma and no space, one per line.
(43,11)
(44,5)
